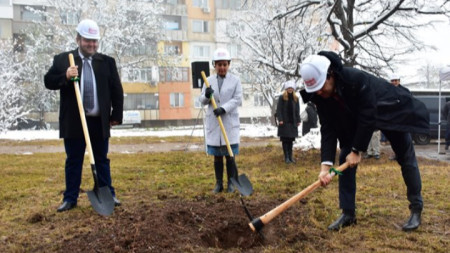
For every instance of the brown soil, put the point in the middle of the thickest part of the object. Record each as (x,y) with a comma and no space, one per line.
(202,225)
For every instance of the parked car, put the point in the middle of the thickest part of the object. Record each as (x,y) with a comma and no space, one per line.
(432,104)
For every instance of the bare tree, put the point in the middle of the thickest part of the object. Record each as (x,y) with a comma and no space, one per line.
(374,35)
(273,47)
(130,31)
(12,97)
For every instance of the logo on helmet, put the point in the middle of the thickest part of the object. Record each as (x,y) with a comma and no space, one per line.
(310,82)
(92,30)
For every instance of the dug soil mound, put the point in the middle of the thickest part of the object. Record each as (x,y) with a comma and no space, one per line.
(202,225)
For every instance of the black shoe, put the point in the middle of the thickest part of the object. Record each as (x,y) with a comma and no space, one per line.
(377,157)
(367,156)
(344,220)
(116,202)
(218,188)
(65,206)
(230,187)
(287,160)
(413,222)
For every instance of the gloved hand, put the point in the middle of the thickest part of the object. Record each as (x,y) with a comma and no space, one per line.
(208,92)
(219,111)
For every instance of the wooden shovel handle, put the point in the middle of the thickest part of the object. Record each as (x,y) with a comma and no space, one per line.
(82,116)
(224,133)
(266,218)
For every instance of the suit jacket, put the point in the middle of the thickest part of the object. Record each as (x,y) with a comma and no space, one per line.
(230,98)
(364,103)
(109,93)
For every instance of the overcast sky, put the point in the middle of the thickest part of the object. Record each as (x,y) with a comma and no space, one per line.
(438,37)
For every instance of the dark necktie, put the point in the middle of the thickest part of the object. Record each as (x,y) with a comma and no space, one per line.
(88,82)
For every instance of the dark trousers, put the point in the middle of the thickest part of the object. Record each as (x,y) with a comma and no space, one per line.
(403,148)
(75,150)
(447,134)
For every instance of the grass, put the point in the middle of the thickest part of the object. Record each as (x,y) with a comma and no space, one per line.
(31,187)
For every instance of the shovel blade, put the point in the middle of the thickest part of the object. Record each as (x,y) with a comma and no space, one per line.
(243,185)
(101,200)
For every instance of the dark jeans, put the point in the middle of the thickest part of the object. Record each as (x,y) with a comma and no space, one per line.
(75,150)
(403,147)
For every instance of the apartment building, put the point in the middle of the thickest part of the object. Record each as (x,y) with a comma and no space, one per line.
(161,93)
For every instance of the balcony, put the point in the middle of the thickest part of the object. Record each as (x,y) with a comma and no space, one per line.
(175,10)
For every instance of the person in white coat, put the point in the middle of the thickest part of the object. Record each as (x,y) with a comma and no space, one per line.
(227,91)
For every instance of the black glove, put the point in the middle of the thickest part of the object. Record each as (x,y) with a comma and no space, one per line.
(219,111)
(208,92)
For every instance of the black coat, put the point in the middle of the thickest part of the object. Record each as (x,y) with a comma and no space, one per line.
(365,103)
(312,118)
(290,127)
(109,92)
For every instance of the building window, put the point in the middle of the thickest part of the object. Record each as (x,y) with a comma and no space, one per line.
(141,101)
(29,13)
(70,17)
(228,4)
(234,50)
(143,75)
(172,23)
(200,26)
(259,100)
(172,49)
(200,51)
(176,99)
(200,3)
(174,74)
(145,49)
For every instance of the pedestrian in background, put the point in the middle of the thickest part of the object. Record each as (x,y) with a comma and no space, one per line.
(446,115)
(288,115)
(227,91)
(102,96)
(395,80)
(373,150)
(310,120)
(351,104)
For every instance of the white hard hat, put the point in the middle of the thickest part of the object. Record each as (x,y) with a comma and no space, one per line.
(88,29)
(314,72)
(394,77)
(289,84)
(221,54)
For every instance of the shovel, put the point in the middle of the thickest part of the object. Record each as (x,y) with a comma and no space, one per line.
(100,197)
(242,183)
(257,224)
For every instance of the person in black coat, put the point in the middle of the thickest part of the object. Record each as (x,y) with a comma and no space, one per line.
(446,116)
(103,103)
(311,111)
(351,104)
(288,116)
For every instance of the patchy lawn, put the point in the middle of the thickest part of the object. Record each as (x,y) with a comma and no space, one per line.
(168,206)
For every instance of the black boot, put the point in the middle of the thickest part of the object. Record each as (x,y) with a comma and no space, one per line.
(218,168)
(231,172)
(344,220)
(413,221)
(290,146)
(286,152)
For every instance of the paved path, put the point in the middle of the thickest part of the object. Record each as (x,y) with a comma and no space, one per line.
(428,151)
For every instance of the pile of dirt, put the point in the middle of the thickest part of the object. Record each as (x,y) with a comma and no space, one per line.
(175,225)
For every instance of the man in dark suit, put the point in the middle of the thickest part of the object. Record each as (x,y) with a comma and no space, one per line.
(351,104)
(102,95)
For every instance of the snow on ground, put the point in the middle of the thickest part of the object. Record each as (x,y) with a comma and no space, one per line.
(311,140)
